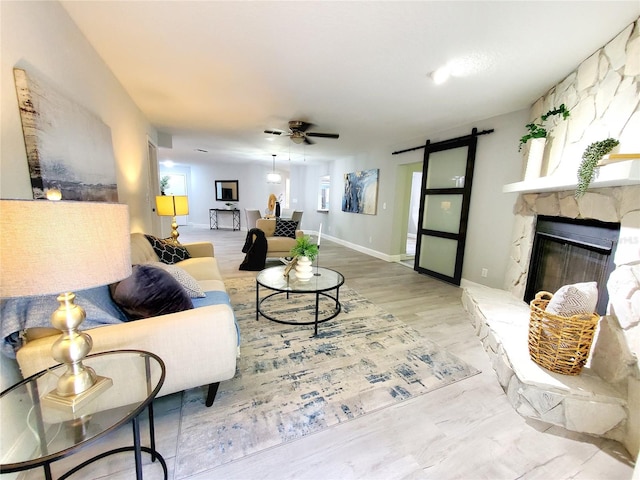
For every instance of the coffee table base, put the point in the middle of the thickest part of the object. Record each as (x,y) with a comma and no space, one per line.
(315,322)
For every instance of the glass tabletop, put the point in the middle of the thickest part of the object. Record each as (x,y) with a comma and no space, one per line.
(274,279)
(35,431)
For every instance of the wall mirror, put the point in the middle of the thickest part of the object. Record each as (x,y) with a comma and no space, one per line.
(227,190)
(323,193)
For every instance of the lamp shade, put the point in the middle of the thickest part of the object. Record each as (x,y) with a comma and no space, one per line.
(273,178)
(51,247)
(172,205)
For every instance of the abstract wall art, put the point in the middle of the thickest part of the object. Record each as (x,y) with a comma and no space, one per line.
(68,147)
(361,192)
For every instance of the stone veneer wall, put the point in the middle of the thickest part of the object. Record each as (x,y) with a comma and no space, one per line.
(603,97)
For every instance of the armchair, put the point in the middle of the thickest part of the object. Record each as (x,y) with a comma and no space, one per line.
(276,246)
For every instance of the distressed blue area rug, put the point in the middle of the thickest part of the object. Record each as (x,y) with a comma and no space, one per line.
(290,384)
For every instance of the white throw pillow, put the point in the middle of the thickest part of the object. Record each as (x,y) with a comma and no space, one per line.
(576,299)
(190,284)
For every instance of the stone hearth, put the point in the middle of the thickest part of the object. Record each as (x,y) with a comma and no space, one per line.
(603,400)
(583,403)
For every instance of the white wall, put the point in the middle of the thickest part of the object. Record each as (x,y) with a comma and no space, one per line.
(40,36)
(253,190)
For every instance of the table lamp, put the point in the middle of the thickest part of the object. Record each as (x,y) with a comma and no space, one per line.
(170,206)
(48,247)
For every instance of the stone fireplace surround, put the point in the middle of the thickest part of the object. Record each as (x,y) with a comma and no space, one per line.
(603,400)
(603,96)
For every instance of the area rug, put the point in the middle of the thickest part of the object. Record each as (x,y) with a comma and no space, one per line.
(290,384)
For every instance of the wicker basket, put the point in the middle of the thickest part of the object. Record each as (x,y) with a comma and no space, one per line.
(559,344)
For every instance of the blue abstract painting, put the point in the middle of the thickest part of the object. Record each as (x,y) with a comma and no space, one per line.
(361,192)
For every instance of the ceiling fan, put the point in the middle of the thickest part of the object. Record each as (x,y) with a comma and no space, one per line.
(298,132)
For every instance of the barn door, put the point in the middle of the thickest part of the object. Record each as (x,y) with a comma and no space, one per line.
(444,207)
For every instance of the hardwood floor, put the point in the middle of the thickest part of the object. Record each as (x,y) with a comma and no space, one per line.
(467,430)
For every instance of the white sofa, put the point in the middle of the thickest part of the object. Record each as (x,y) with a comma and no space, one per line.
(198,346)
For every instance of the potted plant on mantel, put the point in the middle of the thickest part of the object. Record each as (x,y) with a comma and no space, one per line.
(590,158)
(304,253)
(537,136)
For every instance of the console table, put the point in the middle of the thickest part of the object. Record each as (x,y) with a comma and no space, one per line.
(213,217)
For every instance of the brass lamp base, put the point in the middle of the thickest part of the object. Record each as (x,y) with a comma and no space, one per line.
(174,232)
(78,384)
(73,403)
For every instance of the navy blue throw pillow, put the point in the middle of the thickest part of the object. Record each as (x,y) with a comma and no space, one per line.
(149,292)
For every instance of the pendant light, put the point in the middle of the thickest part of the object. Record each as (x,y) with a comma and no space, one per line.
(274,177)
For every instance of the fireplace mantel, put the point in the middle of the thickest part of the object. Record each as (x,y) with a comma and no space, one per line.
(612,175)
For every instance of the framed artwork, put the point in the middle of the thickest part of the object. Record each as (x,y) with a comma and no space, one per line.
(361,192)
(68,147)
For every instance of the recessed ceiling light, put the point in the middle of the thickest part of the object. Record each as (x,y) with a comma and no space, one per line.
(440,75)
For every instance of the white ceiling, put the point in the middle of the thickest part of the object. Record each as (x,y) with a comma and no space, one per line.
(216,74)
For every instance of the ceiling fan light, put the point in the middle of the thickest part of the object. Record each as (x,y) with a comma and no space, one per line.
(297,138)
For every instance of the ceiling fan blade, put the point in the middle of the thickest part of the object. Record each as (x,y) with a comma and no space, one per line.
(307,141)
(273,132)
(323,135)
(304,126)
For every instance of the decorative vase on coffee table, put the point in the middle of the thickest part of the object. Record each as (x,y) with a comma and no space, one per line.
(304,269)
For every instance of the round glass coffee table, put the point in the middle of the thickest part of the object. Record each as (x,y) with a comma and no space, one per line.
(321,284)
(36,432)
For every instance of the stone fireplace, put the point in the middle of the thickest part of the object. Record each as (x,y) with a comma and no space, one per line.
(603,96)
(617,346)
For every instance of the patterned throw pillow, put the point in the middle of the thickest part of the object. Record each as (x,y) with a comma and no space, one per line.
(190,284)
(285,228)
(168,252)
(576,299)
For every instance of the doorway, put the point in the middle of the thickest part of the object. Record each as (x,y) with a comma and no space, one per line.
(177,186)
(414,215)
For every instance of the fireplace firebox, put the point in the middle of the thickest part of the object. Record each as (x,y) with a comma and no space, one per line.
(569,251)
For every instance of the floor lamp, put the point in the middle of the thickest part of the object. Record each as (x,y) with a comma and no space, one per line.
(171,206)
(48,247)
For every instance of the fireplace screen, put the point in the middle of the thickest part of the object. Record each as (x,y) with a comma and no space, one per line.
(572,251)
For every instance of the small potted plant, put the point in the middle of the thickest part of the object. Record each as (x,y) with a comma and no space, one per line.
(304,248)
(164,183)
(539,129)
(230,205)
(590,158)
(303,255)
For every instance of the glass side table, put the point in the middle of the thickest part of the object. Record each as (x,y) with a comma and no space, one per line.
(48,433)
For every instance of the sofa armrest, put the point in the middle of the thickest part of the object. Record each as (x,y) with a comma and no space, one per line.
(199,249)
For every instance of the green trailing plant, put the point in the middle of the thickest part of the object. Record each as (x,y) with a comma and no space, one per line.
(164,183)
(539,130)
(590,158)
(304,248)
